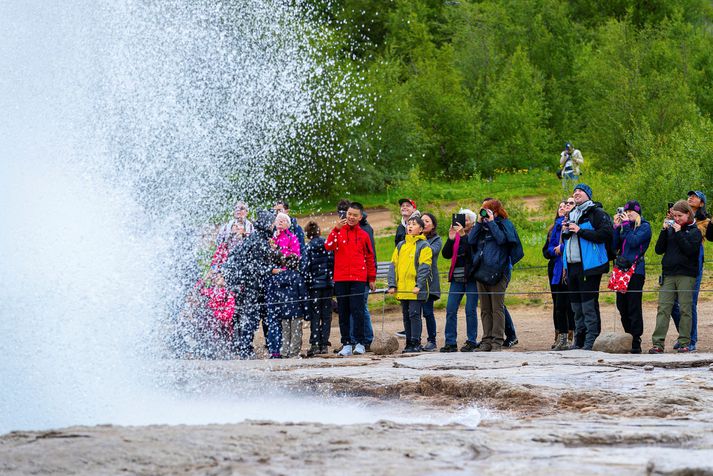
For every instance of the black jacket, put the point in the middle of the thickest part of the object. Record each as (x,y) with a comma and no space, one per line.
(250,262)
(464,258)
(364,224)
(680,251)
(318,265)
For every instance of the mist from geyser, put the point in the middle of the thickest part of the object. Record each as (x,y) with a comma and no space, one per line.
(125,127)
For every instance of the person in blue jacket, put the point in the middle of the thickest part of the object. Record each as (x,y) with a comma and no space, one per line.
(586,233)
(632,236)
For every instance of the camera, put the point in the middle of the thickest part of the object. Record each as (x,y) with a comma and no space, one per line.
(620,211)
(669,222)
(342,214)
(483,213)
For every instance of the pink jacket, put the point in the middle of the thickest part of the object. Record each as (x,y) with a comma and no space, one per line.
(222,303)
(287,243)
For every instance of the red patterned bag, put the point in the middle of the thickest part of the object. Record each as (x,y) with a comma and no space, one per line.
(619,279)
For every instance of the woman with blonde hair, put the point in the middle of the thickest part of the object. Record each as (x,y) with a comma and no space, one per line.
(679,242)
(632,236)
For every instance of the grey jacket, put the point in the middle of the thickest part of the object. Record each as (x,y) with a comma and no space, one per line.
(436,244)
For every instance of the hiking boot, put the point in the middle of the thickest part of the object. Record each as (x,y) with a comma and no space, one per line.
(656,350)
(412,348)
(561,343)
(430,347)
(323,350)
(469,346)
(346,351)
(684,349)
(485,347)
(313,350)
(401,334)
(510,342)
(449,348)
(359,349)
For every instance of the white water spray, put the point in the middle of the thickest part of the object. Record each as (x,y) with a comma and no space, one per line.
(126,126)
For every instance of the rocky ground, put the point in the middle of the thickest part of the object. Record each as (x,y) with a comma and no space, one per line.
(538,413)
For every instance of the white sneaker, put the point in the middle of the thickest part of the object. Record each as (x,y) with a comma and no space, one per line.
(359,349)
(346,350)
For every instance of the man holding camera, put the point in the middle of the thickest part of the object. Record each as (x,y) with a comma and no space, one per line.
(586,232)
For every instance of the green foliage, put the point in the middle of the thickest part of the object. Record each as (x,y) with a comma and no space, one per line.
(665,168)
(451,90)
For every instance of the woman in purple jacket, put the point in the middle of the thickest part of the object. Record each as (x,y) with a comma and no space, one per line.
(562,313)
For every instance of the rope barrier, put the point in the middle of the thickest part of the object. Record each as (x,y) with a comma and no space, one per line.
(384,291)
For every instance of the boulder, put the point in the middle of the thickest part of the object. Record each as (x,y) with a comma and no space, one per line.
(613,343)
(384,345)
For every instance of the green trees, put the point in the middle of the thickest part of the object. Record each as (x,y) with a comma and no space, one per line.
(459,88)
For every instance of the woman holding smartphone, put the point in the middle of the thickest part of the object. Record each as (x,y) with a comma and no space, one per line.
(632,235)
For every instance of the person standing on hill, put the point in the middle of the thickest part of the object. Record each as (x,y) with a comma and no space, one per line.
(353,270)
(570,161)
(586,233)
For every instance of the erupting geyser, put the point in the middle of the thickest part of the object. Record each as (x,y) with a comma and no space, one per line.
(126,126)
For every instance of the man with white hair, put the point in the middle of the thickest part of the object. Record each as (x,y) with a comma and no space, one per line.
(240,218)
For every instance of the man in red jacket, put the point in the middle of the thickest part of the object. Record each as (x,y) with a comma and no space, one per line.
(353,269)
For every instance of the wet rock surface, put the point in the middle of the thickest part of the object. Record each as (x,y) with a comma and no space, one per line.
(577,411)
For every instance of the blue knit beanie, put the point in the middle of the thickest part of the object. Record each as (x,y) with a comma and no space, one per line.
(585,188)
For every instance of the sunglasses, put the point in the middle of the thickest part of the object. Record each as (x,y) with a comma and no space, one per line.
(570,203)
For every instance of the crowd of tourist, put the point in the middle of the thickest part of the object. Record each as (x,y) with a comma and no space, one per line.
(273,272)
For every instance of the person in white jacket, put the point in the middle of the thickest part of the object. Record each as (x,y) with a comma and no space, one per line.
(570,161)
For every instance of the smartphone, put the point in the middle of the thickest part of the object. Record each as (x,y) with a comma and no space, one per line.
(342,214)
(458,219)
(620,211)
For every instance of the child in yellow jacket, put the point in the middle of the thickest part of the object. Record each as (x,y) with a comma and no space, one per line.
(410,278)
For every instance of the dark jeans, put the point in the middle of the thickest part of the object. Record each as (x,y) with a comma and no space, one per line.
(320,315)
(350,303)
(248,311)
(584,298)
(368,328)
(510,334)
(629,306)
(411,311)
(430,318)
(562,313)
